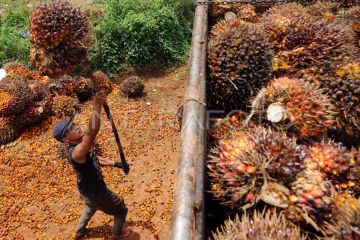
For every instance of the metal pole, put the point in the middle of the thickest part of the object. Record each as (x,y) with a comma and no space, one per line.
(193,123)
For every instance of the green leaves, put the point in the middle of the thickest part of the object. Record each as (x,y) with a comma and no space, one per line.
(143,34)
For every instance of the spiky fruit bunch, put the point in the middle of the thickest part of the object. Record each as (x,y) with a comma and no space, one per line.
(65,85)
(243,11)
(64,106)
(346,224)
(101,82)
(344,92)
(132,87)
(57,21)
(36,114)
(331,159)
(255,225)
(310,198)
(240,63)
(15,96)
(59,34)
(317,45)
(9,130)
(322,10)
(297,106)
(233,181)
(280,19)
(84,88)
(241,165)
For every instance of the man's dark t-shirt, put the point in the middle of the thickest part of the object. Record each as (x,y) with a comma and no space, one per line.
(90,181)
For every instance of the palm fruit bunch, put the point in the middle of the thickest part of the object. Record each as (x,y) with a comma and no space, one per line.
(65,85)
(346,223)
(223,26)
(280,19)
(84,88)
(333,160)
(235,182)
(323,10)
(15,96)
(344,92)
(36,114)
(101,82)
(243,11)
(295,105)
(240,63)
(242,163)
(318,45)
(65,106)
(9,130)
(311,198)
(132,87)
(59,35)
(267,225)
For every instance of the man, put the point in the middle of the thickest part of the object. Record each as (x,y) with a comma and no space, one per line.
(90,181)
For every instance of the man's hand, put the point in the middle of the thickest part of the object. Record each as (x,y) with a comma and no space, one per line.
(100,98)
(105,161)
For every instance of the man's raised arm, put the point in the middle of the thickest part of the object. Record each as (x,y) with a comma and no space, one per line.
(83,148)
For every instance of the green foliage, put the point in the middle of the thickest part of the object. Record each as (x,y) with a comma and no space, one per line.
(12,45)
(142,33)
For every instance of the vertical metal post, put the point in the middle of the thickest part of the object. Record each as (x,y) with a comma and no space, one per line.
(192,150)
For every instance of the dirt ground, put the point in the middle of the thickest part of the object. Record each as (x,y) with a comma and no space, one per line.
(38,195)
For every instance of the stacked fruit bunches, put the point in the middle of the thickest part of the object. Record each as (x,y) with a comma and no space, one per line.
(59,35)
(132,87)
(279,20)
(240,63)
(323,10)
(296,106)
(254,225)
(316,45)
(102,82)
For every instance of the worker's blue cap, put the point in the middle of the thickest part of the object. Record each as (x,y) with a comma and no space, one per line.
(61,127)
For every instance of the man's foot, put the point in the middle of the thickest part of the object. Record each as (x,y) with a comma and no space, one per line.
(79,235)
(125,233)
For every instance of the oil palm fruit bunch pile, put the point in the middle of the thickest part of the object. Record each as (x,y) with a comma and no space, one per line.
(256,225)
(296,106)
(18,69)
(65,106)
(240,63)
(39,112)
(279,20)
(243,11)
(65,85)
(59,35)
(346,223)
(102,82)
(84,88)
(132,87)
(318,45)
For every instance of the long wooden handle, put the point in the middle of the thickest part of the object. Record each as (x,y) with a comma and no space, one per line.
(125,165)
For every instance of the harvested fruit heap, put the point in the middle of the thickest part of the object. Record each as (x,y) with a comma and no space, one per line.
(59,35)
(132,86)
(295,153)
